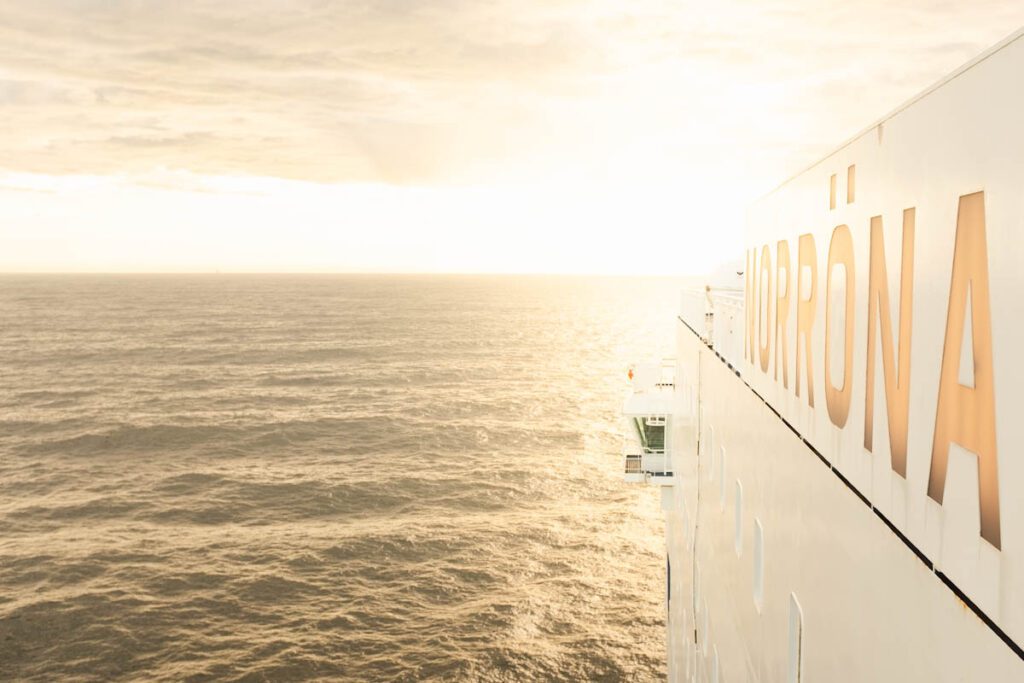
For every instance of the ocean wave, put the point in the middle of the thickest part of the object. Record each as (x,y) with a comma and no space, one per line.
(324,478)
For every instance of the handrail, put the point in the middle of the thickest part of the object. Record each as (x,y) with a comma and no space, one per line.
(716,314)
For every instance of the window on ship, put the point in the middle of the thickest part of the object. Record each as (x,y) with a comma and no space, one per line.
(652,433)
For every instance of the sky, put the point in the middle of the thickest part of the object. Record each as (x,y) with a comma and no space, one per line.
(518,136)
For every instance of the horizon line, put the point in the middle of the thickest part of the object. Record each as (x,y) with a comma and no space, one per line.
(108,273)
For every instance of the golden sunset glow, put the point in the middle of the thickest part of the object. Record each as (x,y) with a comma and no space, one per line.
(567,136)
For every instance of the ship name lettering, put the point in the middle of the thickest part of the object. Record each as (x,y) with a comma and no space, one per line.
(964,414)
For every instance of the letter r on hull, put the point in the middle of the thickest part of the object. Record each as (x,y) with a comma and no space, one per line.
(805,309)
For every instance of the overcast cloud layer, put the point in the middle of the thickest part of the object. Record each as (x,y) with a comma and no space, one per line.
(572,136)
(461,91)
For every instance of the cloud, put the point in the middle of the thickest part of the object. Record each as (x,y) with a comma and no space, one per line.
(456,90)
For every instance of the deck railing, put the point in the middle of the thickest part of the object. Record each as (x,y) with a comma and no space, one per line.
(655,464)
(716,315)
(728,325)
(693,309)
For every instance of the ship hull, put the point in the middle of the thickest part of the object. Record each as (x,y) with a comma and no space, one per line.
(848,501)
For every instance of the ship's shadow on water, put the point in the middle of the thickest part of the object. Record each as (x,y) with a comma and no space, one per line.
(362,478)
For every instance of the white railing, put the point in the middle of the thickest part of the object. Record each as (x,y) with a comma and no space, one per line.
(693,309)
(657,463)
(728,325)
(639,465)
(717,316)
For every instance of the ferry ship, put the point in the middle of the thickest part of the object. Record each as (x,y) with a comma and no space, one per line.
(839,440)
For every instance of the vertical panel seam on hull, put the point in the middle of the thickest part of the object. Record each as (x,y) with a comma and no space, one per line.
(696,516)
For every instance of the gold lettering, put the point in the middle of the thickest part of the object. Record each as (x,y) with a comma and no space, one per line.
(897,374)
(805,308)
(966,415)
(851,184)
(782,311)
(840,252)
(764,314)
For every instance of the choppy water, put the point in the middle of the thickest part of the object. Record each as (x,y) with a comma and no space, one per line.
(364,478)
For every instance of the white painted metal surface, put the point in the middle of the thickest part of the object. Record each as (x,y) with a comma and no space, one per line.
(803,545)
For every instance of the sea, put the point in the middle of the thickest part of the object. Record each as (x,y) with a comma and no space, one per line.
(326,477)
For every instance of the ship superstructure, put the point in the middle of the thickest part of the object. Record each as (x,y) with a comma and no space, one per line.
(840,442)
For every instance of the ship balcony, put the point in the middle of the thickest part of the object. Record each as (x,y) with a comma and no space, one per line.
(643,467)
(647,414)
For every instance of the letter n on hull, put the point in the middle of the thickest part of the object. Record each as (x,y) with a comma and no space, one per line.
(895,369)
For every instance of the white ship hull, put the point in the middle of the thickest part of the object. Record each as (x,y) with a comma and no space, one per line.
(827,522)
